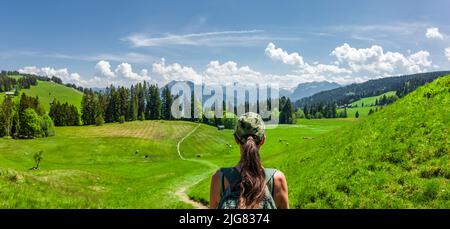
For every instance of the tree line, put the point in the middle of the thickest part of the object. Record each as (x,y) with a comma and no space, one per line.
(322,110)
(145,101)
(26,119)
(8,83)
(142,101)
(64,114)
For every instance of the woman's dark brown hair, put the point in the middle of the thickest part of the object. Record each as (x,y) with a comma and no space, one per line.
(252,186)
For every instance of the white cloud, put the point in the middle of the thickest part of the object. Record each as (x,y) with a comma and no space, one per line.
(296,60)
(126,71)
(103,69)
(229,72)
(447,53)
(104,76)
(418,60)
(433,33)
(175,72)
(279,54)
(62,73)
(374,60)
(32,70)
(222,38)
(351,65)
(122,75)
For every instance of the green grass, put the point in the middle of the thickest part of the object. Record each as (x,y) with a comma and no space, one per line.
(362,111)
(282,140)
(369,103)
(15,76)
(47,91)
(97,167)
(396,158)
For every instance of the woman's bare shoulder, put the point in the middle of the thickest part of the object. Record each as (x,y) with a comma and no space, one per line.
(279,177)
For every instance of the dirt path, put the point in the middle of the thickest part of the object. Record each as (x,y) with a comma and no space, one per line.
(179,142)
(181,191)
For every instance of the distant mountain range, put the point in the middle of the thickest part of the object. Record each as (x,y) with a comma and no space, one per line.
(307,89)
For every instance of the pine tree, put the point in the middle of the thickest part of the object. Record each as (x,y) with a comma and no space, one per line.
(154,104)
(90,107)
(133,105)
(141,101)
(167,100)
(122,102)
(7,114)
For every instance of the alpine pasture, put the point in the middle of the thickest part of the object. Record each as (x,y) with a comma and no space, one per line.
(396,158)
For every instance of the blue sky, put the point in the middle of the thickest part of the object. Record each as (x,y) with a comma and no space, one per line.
(94,43)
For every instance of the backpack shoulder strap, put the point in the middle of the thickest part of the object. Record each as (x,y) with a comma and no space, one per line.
(269,178)
(230,174)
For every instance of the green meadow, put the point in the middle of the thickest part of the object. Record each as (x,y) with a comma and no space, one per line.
(130,165)
(48,91)
(395,158)
(364,105)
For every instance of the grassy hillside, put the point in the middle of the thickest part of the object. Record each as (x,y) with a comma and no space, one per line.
(47,91)
(397,158)
(370,101)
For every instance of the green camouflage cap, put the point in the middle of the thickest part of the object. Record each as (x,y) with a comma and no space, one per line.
(249,124)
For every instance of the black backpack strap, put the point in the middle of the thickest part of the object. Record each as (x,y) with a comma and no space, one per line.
(232,176)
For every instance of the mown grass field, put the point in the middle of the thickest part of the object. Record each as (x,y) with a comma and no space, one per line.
(98,167)
(47,91)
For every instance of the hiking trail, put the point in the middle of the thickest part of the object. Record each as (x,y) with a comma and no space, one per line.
(181,191)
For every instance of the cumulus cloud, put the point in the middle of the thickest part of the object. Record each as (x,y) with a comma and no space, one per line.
(279,54)
(352,64)
(176,72)
(433,33)
(229,72)
(126,71)
(122,75)
(32,70)
(62,73)
(447,53)
(314,72)
(375,61)
(103,76)
(103,69)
